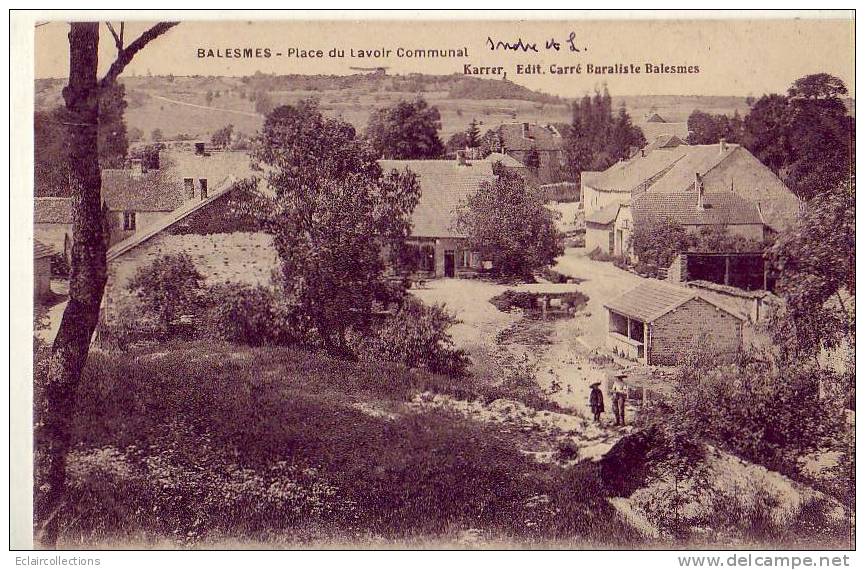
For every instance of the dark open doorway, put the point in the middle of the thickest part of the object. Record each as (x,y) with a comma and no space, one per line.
(450,263)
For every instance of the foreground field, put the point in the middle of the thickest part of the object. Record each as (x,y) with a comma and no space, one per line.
(196,445)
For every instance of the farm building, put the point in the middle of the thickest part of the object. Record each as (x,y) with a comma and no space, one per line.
(673,169)
(611,228)
(659,324)
(42,254)
(52,223)
(439,249)
(223,247)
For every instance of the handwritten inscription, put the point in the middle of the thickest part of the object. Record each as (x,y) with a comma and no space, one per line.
(521,45)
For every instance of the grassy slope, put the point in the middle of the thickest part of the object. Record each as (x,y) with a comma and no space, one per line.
(196,436)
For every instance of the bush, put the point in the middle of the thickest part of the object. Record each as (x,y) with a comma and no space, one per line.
(554,276)
(417,337)
(59,265)
(169,289)
(250,315)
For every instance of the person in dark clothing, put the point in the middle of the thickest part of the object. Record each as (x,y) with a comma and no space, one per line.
(596,401)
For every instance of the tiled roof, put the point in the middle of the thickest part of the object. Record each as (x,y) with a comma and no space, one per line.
(540,137)
(655,118)
(169,219)
(151,191)
(720,208)
(444,185)
(603,216)
(42,250)
(52,210)
(673,168)
(653,299)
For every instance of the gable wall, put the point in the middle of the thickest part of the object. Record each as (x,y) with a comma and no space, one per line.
(695,325)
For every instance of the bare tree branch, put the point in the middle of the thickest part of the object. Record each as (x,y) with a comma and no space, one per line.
(125,55)
(118,40)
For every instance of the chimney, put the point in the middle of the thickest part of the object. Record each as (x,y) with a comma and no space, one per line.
(461,158)
(698,188)
(643,152)
(722,144)
(199,148)
(137,167)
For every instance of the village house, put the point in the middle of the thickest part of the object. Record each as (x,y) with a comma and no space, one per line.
(673,166)
(654,126)
(225,247)
(138,197)
(521,140)
(52,223)
(439,248)
(611,228)
(42,254)
(657,323)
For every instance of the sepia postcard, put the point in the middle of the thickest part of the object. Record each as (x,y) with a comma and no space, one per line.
(435,280)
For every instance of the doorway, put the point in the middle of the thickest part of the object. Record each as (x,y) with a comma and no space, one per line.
(450,263)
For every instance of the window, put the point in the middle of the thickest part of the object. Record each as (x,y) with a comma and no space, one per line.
(129,221)
(203,183)
(189,188)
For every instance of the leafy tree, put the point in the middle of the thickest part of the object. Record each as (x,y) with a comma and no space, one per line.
(148,155)
(507,222)
(331,211)
(457,141)
(657,241)
(113,142)
(817,270)
(222,137)
(473,134)
(169,288)
(596,139)
(406,131)
(806,137)
(703,128)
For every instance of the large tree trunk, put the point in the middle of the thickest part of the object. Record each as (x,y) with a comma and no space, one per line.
(86,282)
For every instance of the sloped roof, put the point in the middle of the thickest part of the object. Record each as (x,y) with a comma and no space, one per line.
(672,169)
(655,118)
(52,210)
(444,185)
(505,159)
(151,191)
(653,299)
(603,216)
(41,250)
(652,130)
(720,208)
(541,137)
(169,219)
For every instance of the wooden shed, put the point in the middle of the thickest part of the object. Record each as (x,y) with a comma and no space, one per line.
(659,323)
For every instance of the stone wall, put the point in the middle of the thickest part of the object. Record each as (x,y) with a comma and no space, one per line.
(142,220)
(695,325)
(239,257)
(598,236)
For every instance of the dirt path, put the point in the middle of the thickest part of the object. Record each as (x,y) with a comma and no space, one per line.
(205,107)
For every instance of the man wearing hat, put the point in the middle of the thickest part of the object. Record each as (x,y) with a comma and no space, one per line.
(620,396)
(596,401)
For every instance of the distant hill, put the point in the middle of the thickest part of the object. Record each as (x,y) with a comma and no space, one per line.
(196,106)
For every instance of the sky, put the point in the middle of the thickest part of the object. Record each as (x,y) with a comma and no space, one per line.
(735,56)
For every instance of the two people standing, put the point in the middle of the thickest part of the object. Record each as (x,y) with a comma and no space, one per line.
(619,395)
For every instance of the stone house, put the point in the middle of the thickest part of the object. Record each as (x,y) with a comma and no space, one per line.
(520,140)
(52,223)
(611,228)
(659,324)
(224,248)
(673,167)
(42,254)
(439,248)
